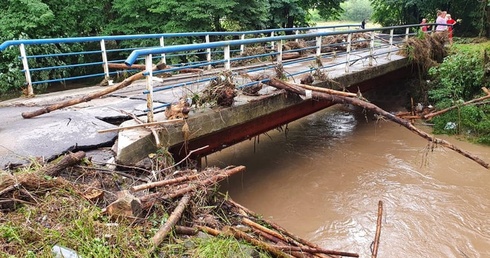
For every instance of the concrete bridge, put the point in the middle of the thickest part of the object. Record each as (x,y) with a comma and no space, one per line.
(360,61)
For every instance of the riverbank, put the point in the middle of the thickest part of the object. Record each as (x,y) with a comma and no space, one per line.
(94,211)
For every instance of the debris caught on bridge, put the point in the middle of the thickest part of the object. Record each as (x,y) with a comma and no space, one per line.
(220,91)
(189,196)
(128,81)
(338,98)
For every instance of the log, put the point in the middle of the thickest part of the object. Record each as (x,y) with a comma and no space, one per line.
(185,230)
(329,91)
(369,106)
(222,175)
(122,66)
(433,114)
(276,227)
(172,220)
(173,121)
(315,250)
(263,245)
(90,96)
(378,229)
(208,230)
(69,160)
(164,182)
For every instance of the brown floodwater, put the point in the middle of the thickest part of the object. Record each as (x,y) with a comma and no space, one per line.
(323,180)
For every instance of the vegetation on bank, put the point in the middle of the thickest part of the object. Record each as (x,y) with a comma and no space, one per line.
(460,78)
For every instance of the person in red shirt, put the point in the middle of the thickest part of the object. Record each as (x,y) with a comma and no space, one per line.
(450,21)
(424,27)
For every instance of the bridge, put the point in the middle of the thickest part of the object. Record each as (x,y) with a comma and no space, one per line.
(339,57)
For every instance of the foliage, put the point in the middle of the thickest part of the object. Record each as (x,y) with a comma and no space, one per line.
(356,10)
(451,84)
(452,87)
(472,12)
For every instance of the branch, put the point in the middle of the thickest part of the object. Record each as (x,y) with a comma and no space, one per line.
(369,106)
(90,96)
(378,229)
(172,220)
(430,115)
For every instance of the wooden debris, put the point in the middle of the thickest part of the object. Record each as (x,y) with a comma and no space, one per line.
(67,161)
(179,110)
(172,220)
(369,106)
(128,81)
(141,125)
(125,206)
(378,230)
(433,114)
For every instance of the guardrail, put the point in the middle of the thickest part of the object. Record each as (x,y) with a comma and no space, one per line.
(103,54)
(376,40)
(207,53)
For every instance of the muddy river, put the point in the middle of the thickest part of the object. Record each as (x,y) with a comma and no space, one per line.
(323,180)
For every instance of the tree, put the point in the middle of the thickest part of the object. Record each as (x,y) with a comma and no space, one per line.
(356,10)
(474,13)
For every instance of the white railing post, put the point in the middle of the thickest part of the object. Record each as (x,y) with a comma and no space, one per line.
(349,39)
(149,87)
(318,46)
(227,57)
(105,62)
(242,46)
(272,43)
(296,32)
(371,49)
(27,73)
(164,57)
(279,49)
(391,44)
(208,53)
(407,31)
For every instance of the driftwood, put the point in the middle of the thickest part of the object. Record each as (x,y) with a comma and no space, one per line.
(172,220)
(67,161)
(220,176)
(141,125)
(164,182)
(338,99)
(314,250)
(431,115)
(378,230)
(90,96)
(261,244)
(290,238)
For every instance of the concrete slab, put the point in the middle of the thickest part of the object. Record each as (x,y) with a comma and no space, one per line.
(47,136)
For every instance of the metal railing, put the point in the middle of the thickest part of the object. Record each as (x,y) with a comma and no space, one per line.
(105,50)
(377,43)
(206,53)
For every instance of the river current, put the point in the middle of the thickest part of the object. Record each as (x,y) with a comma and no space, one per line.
(323,176)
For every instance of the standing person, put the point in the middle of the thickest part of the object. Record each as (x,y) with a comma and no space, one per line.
(450,21)
(363,24)
(424,27)
(441,19)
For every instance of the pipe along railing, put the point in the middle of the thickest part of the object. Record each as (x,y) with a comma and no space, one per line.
(378,44)
(208,54)
(106,48)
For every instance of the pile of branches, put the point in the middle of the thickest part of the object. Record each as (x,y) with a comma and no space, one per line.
(220,91)
(184,192)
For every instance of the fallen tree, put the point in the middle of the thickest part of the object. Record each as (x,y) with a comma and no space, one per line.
(341,99)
